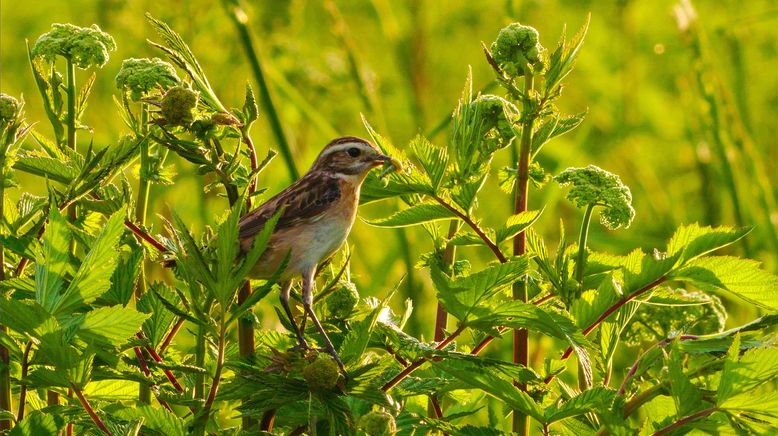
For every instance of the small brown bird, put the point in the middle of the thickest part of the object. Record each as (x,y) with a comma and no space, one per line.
(319,210)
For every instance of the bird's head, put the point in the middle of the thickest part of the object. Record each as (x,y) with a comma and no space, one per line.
(349,157)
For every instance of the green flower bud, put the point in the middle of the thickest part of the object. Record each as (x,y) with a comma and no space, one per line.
(516,47)
(141,76)
(177,106)
(322,374)
(84,46)
(343,300)
(497,113)
(378,423)
(9,107)
(593,185)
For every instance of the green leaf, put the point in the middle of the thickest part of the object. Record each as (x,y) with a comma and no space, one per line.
(765,405)
(52,263)
(687,397)
(38,423)
(155,419)
(356,340)
(124,277)
(47,167)
(492,384)
(433,159)
(517,224)
(22,317)
(111,325)
(93,277)
(160,318)
(516,314)
(741,277)
(462,295)
(250,109)
(743,374)
(553,127)
(414,215)
(693,240)
(593,400)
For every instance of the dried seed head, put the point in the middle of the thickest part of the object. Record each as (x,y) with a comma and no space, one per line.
(141,76)
(84,46)
(378,423)
(516,47)
(177,106)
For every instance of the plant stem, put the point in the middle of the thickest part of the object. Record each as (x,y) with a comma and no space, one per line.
(96,419)
(521,336)
(580,262)
(202,418)
(441,317)
(144,390)
(240,19)
(683,421)
(5,358)
(608,312)
(23,386)
(417,363)
(71,94)
(474,226)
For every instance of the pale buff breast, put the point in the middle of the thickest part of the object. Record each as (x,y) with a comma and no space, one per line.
(310,243)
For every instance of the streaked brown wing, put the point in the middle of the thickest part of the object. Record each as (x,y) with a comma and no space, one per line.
(304,200)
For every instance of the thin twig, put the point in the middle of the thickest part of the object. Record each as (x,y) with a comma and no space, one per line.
(417,363)
(96,419)
(683,421)
(476,228)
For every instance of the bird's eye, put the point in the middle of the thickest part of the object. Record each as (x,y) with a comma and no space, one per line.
(353,152)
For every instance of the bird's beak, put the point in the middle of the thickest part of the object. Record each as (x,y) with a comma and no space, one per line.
(380,159)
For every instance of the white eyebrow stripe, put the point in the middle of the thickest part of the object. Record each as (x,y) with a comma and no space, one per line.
(345,146)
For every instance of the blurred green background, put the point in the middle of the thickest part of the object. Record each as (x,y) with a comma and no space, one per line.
(660,114)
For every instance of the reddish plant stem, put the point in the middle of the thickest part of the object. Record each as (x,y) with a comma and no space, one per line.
(436,407)
(396,356)
(683,421)
(608,312)
(267,421)
(170,335)
(417,363)
(23,387)
(636,365)
(96,419)
(145,236)
(254,164)
(474,226)
(169,374)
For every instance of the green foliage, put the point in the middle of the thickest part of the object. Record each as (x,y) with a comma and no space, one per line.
(143,350)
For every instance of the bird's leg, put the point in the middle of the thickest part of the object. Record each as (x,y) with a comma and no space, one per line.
(307,302)
(285,288)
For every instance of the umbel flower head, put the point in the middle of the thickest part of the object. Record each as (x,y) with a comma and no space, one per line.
(595,186)
(141,76)
(84,46)
(517,46)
